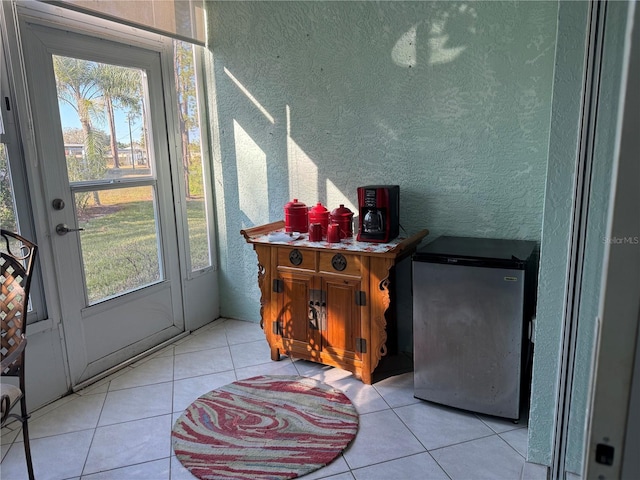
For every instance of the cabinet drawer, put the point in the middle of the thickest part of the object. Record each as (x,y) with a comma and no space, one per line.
(295,258)
(338,262)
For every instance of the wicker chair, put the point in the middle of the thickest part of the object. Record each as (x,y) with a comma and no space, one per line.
(16,267)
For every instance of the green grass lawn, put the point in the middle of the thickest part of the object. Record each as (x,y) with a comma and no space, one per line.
(120,244)
(198,235)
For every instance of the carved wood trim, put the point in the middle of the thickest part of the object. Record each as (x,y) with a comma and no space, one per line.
(248,233)
(261,285)
(381,349)
(379,270)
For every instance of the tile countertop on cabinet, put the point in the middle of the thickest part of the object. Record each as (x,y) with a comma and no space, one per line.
(326,302)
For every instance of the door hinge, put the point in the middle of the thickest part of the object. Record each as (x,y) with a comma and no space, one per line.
(278,285)
(361,345)
(361,298)
(276,327)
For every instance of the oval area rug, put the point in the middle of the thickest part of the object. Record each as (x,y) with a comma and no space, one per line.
(264,427)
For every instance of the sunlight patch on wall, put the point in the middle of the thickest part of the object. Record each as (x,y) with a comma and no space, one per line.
(249,96)
(437,41)
(439,53)
(456,21)
(404,51)
(251,164)
(303,172)
(335,198)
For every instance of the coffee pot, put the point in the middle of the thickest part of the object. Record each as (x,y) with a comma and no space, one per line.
(379,208)
(373,221)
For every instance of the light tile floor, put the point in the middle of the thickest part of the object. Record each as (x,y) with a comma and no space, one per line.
(119,427)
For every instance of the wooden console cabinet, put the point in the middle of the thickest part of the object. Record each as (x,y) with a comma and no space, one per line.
(326,302)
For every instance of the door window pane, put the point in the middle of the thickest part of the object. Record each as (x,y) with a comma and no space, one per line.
(120,243)
(103,119)
(9,214)
(191,155)
(7,203)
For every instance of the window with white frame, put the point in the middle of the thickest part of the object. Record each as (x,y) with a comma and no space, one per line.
(192,155)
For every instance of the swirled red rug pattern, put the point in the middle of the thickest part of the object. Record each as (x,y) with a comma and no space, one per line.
(265,427)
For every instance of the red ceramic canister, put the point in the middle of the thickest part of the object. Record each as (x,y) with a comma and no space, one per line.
(343,217)
(319,214)
(333,233)
(315,232)
(296,217)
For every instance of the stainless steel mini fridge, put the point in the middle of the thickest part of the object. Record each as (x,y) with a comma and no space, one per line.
(473,299)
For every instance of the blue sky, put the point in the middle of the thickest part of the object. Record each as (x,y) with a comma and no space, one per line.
(70,119)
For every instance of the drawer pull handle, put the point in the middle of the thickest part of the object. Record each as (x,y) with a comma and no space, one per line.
(295,257)
(339,262)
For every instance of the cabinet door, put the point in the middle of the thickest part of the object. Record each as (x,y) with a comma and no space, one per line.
(300,328)
(343,331)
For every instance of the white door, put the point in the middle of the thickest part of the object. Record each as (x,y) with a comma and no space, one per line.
(100,129)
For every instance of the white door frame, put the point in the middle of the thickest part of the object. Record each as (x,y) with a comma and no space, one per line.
(165,296)
(613,437)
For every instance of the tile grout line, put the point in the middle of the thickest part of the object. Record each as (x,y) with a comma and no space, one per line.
(173,396)
(95,429)
(493,434)
(83,476)
(511,446)
(419,441)
(517,426)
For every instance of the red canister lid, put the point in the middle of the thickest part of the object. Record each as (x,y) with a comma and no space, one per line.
(294,205)
(318,209)
(341,211)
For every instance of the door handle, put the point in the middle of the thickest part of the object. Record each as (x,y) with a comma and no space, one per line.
(313,316)
(62,229)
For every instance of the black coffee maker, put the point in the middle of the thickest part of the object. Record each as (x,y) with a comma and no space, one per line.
(379,209)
